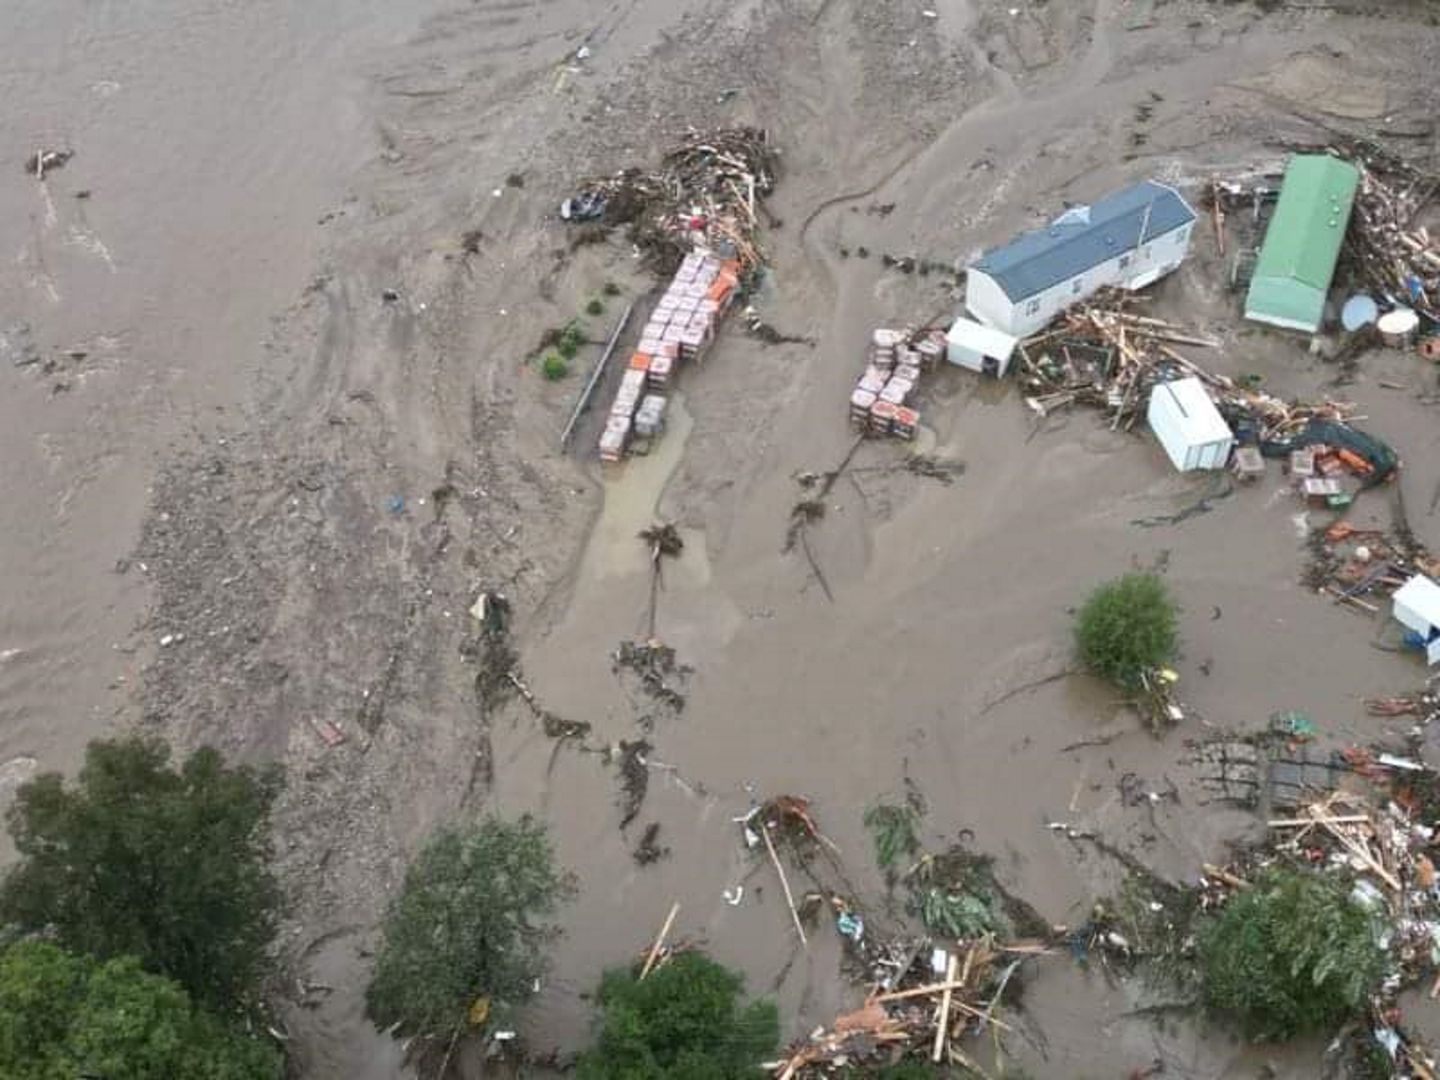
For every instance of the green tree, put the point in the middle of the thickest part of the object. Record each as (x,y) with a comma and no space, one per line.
(466,935)
(1292,955)
(1127,627)
(64,1016)
(683,1022)
(140,860)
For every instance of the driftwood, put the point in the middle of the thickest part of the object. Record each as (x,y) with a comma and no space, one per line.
(942,1027)
(784,883)
(1104,355)
(660,940)
(710,182)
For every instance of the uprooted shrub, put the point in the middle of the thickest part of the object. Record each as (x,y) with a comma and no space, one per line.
(1294,954)
(1127,628)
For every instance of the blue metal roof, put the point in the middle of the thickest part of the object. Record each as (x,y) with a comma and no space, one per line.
(1084,237)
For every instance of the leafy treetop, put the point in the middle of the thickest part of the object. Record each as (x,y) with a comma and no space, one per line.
(64,1016)
(1292,955)
(683,1022)
(467,931)
(140,860)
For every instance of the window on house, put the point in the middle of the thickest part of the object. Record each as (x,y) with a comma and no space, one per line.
(1077,285)
(1124,261)
(1032,308)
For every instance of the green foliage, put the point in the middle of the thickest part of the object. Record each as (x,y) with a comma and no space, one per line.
(611,289)
(1292,955)
(1126,627)
(595,307)
(958,913)
(683,1022)
(553,367)
(469,923)
(140,860)
(570,339)
(64,1016)
(896,832)
(955,895)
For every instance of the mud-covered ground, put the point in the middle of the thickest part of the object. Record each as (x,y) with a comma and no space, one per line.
(246,495)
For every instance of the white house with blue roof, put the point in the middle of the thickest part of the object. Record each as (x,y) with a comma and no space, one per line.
(1128,239)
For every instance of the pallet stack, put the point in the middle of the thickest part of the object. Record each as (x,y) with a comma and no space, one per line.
(880,401)
(681,328)
(650,419)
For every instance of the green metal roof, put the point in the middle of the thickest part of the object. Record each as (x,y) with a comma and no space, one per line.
(1303,241)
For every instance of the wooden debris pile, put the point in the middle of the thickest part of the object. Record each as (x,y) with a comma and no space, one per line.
(1388,249)
(1104,355)
(943,997)
(707,191)
(1360,567)
(924,993)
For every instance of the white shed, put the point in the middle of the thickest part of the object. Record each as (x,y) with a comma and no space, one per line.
(978,347)
(1417,607)
(1128,239)
(1188,425)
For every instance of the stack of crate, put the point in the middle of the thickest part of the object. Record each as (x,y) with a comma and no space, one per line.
(614,438)
(906,423)
(681,327)
(930,349)
(661,368)
(866,393)
(683,323)
(878,402)
(650,419)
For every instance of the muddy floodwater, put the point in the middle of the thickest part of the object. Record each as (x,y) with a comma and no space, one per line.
(139,282)
(269,424)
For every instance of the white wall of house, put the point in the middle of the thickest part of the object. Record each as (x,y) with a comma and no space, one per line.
(987,301)
(1134,269)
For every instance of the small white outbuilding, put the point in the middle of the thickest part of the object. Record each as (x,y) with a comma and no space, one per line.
(979,347)
(1417,608)
(1188,425)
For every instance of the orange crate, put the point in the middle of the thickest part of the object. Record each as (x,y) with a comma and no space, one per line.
(640,362)
(1356,463)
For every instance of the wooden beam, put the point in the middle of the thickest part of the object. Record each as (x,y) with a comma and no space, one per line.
(942,1029)
(660,940)
(784,883)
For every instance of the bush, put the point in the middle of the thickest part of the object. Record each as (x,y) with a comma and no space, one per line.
(140,860)
(683,1022)
(465,937)
(554,367)
(64,1016)
(595,307)
(611,289)
(1292,955)
(570,340)
(1127,627)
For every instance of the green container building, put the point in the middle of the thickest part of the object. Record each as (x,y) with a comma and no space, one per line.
(1302,244)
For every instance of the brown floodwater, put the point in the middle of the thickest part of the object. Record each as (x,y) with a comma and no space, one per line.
(209,139)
